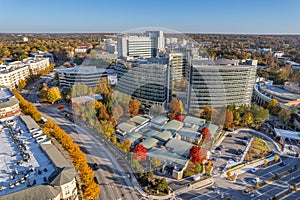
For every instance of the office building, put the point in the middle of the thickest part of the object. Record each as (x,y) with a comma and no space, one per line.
(219,83)
(144,46)
(147,81)
(88,75)
(36,63)
(12,73)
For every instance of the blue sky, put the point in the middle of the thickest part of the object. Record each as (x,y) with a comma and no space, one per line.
(203,16)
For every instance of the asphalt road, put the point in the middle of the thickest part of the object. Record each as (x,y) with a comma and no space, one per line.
(111,177)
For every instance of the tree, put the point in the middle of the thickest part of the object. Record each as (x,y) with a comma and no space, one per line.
(139,152)
(228,119)
(172,116)
(175,106)
(104,88)
(195,154)
(102,112)
(117,112)
(162,185)
(53,95)
(273,106)
(236,117)
(107,128)
(205,134)
(133,107)
(179,117)
(44,94)
(266,162)
(126,145)
(156,110)
(156,162)
(248,119)
(285,115)
(259,114)
(228,174)
(276,158)
(22,84)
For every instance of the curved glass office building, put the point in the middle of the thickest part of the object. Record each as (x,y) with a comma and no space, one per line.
(218,84)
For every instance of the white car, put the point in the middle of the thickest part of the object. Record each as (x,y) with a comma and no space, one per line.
(253,170)
(255,180)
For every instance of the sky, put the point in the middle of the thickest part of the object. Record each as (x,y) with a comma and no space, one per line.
(187,16)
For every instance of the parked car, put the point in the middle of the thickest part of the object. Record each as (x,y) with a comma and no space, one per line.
(229,135)
(255,180)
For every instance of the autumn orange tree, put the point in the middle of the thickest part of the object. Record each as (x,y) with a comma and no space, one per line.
(27,107)
(139,152)
(205,134)
(133,107)
(228,119)
(78,157)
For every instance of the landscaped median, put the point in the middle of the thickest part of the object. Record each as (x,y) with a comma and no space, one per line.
(260,184)
(233,172)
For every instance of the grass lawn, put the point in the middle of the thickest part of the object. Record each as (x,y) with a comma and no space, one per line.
(258,149)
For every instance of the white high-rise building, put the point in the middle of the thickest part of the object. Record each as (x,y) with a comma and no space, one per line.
(141,46)
(134,46)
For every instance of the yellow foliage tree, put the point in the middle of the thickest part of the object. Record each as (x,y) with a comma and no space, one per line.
(53,95)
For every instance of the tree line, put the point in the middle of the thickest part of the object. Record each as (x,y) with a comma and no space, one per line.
(91,189)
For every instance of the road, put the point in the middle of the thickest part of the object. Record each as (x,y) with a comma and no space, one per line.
(110,175)
(112,178)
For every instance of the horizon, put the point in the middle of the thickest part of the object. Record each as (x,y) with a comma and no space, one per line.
(268,17)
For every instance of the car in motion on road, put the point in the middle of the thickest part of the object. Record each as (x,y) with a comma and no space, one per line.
(282,164)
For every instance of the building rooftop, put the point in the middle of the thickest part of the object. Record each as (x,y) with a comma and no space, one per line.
(30,124)
(173,125)
(150,132)
(165,155)
(139,120)
(189,120)
(7,98)
(212,128)
(287,134)
(85,99)
(84,70)
(125,127)
(148,143)
(180,147)
(164,136)
(34,193)
(214,62)
(189,133)
(132,137)
(21,157)
(159,120)
(55,156)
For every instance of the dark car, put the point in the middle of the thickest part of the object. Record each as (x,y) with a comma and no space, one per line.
(282,164)
(229,135)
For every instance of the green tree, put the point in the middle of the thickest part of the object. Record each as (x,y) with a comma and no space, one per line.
(53,95)
(285,115)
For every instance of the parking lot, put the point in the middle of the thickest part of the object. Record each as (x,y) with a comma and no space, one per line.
(230,150)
